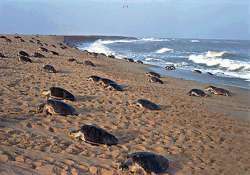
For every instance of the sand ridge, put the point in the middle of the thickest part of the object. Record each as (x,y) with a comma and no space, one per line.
(196,139)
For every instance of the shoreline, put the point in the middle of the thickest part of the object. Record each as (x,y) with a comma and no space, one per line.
(198,135)
(200,78)
(180,72)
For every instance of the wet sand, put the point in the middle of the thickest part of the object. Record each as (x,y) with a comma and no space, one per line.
(199,135)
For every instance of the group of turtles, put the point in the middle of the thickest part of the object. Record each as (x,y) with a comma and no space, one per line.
(209,90)
(5,38)
(56,104)
(172,67)
(136,162)
(154,77)
(106,83)
(25,57)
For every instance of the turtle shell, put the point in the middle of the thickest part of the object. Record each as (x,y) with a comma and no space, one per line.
(150,162)
(116,86)
(197,93)
(94,134)
(54,53)
(61,108)
(49,68)
(23,53)
(156,80)
(153,74)
(38,55)
(25,59)
(94,78)
(148,104)
(61,93)
(2,55)
(107,81)
(89,63)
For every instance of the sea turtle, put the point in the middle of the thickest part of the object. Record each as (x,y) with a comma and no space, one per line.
(115,86)
(58,93)
(63,47)
(2,55)
(17,37)
(43,49)
(89,63)
(139,62)
(170,67)
(145,163)
(103,54)
(111,56)
(94,78)
(23,53)
(38,55)
(144,103)
(93,54)
(130,60)
(217,91)
(106,82)
(86,52)
(197,93)
(94,135)
(155,80)
(39,43)
(49,68)
(72,60)
(54,53)
(8,40)
(57,107)
(153,74)
(24,59)
(22,40)
(197,71)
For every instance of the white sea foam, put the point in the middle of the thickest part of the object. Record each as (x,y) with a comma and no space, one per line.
(154,39)
(163,50)
(117,41)
(194,41)
(217,54)
(152,59)
(131,40)
(216,59)
(99,47)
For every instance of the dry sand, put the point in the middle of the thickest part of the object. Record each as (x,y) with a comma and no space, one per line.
(198,135)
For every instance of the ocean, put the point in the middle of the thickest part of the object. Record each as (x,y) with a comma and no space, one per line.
(227,60)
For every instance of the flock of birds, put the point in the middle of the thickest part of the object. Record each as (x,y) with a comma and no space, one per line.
(56,104)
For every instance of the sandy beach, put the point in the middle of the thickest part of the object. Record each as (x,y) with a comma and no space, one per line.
(207,136)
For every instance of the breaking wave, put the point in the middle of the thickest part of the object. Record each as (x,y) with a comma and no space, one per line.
(163,50)
(117,41)
(154,39)
(194,41)
(215,59)
(99,47)
(221,63)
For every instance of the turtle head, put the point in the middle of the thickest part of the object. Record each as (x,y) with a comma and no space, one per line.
(209,88)
(76,134)
(124,166)
(40,108)
(45,93)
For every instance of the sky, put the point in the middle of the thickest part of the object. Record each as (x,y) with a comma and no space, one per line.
(212,19)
